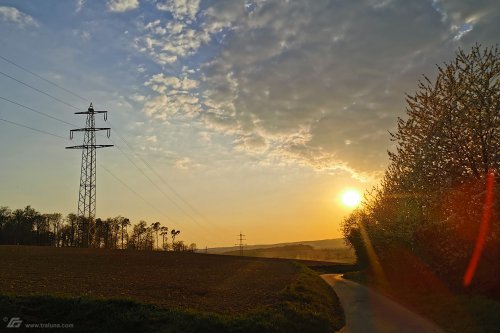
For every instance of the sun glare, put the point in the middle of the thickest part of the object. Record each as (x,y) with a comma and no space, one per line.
(351,198)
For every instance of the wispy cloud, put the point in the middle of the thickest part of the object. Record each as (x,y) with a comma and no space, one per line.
(79,5)
(180,9)
(11,14)
(122,5)
(167,41)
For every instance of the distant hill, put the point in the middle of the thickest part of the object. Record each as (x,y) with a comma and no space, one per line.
(322,250)
(334,243)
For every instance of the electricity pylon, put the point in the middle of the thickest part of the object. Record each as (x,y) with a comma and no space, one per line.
(87,192)
(240,244)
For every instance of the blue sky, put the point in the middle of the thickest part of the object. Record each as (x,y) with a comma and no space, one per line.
(258,113)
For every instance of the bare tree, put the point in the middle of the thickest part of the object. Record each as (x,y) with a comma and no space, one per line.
(192,247)
(156,227)
(164,233)
(55,220)
(124,223)
(140,229)
(174,234)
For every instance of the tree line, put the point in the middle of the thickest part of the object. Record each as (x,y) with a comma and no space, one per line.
(436,208)
(29,227)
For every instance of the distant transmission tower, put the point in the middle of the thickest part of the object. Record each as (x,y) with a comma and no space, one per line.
(240,244)
(87,193)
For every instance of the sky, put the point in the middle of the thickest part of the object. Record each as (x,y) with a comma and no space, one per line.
(228,116)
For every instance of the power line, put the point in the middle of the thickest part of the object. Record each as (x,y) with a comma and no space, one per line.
(36,111)
(134,192)
(40,91)
(171,188)
(129,146)
(159,188)
(145,162)
(42,113)
(141,197)
(151,181)
(128,158)
(32,128)
(44,79)
(107,170)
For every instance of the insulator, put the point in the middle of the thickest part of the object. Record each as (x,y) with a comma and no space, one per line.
(109,133)
(71,135)
(105,116)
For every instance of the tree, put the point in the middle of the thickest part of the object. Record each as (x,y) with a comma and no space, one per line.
(135,240)
(54,220)
(29,227)
(24,223)
(452,131)
(174,234)
(5,217)
(192,247)
(115,229)
(179,246)
(432,197)
(155,227)
(164,233)
(72,233)
(124,222)
(100,233)
(148,239)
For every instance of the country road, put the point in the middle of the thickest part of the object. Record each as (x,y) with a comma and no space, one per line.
(369,311)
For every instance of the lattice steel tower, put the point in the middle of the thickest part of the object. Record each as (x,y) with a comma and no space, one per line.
(240,244)
(87,192)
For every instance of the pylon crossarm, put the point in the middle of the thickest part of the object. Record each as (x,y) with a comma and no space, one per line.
(88,146)
(92,112)
(88,129)
(89,112)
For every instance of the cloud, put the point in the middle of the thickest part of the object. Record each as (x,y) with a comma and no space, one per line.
(180,9)
(121,6)
(165,107)
(462,17)
(84,35)
(186,163)
(168,41)
(160,83)
(11,14)
(312,83)
(79,5)
(329,73)
(151,139)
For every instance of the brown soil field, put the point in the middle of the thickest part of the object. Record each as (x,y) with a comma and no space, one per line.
(223,284)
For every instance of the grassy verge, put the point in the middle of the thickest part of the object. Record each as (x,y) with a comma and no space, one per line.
(306,305)
(454,312)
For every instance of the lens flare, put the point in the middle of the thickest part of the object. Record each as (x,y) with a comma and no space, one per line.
(483,229)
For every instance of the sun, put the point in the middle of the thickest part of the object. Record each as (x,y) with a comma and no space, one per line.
(351,198)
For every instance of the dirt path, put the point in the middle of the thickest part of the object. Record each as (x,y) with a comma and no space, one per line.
(369,311)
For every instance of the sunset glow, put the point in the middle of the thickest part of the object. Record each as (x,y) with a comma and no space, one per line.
(234,116)
(351,198)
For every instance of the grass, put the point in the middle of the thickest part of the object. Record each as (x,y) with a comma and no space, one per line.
(275,295)
(454,312)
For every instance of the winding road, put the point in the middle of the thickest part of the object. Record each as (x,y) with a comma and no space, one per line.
(368,311)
